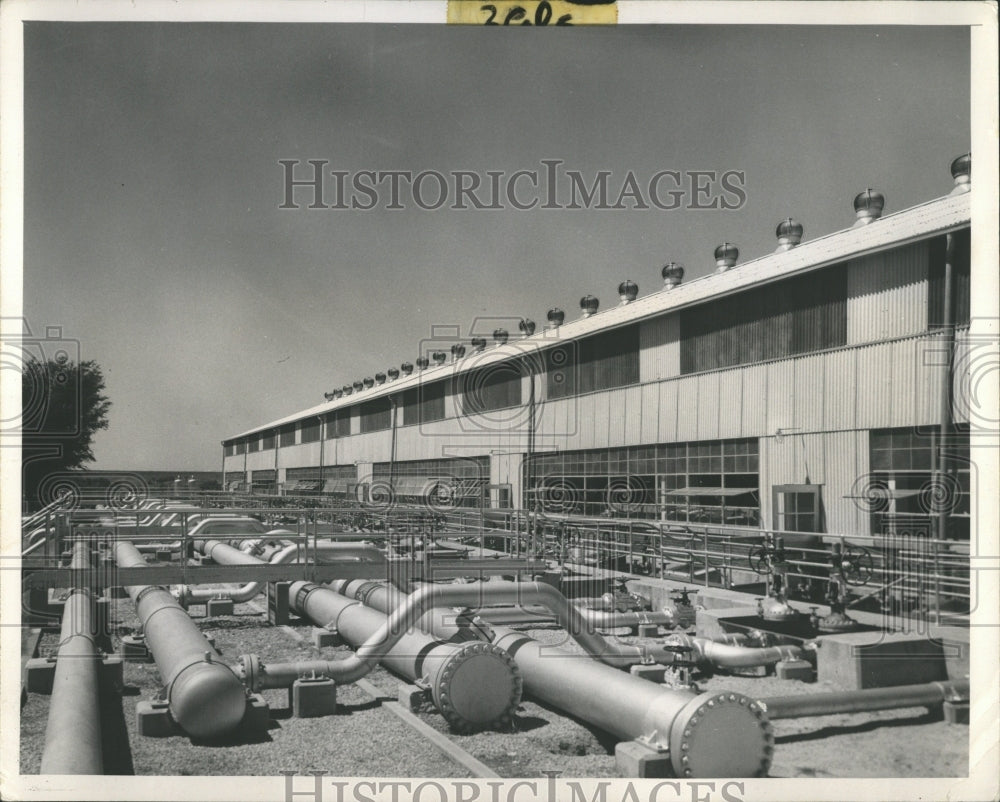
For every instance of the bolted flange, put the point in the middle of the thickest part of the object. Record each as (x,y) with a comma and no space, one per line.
(478,687)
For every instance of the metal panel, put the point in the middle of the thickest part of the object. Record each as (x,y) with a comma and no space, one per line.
(603,419)
(839,390)
(845,467)
(887,294)
(687,408)
(668,412)
(618,414)
(929,355)
(873,374)
(730,403)
(659,349)
(708,406)
(585,417)
(754,412)
(641,403)
(904,379)
(810,390)
(780,395)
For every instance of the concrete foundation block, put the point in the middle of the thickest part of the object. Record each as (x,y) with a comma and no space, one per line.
(859,660)
(314,697)
(634,759)
(258,715)
(653,673)
(113,671)
(133,648)
(411,697)
(163,555)
(326,637)
(38,674)
(153,720)
(216,607)
(795,669)
(747,671)
(956,712)
(648,630)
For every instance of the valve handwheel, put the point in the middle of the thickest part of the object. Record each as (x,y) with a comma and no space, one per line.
(856,565)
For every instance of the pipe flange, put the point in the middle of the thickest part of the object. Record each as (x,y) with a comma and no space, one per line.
(478,687)
(721,735)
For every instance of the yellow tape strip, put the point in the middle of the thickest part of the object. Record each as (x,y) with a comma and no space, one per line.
(532,12)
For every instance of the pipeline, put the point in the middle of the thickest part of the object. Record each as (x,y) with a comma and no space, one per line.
(931,694)
(474,684)
(705,735)
(205,697)
(73,731)
(414,607)
(729,655)
(226,554)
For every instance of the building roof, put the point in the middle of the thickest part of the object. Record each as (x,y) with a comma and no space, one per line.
(916,223)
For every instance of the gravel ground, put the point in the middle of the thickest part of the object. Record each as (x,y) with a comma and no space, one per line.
(364,740)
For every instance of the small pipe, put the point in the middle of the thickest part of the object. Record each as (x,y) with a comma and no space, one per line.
(73,732)
(931,694)
(187,595)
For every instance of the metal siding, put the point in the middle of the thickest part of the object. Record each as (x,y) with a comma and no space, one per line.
(904,383)
(839,390)
(687,408)
(887,294)
(654,338)
(754,412)
(668,412)
(928,355)
(708,406)
(969,363)
(642,414)
(780,395)
(873,376)
(585,417)
(844,465)
(730,404)
(603,421)
(810,389)
(622,404)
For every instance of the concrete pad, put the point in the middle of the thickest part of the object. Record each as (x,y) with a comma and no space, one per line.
(634,759)
(648,630)
(153,720)
(795,669)
(411,697)
(653,673)
(219,607)
(956,712)
(859,660)
(257,715)
(39,673)
(326,637)
(312,698)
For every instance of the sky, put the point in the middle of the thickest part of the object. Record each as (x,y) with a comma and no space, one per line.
(154,235)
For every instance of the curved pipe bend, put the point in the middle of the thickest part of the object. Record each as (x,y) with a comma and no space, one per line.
(187,595)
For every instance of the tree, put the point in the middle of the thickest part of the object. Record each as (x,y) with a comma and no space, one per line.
(63,406)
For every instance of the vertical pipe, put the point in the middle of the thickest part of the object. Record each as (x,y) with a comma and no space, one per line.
(73,732)
(948,324)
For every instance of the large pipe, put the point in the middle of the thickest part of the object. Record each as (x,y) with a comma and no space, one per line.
(73,732)
(205,697)
(413,607)
(822,704)
(706,735)
(474,684)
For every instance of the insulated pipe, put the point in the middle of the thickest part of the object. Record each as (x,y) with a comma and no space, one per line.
(727,655)
(706,735)
(206,698)
(73,732)
(822,704)
(474,684)
(413,607)
(187,595)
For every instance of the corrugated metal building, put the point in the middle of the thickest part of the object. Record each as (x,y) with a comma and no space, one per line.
(801,391)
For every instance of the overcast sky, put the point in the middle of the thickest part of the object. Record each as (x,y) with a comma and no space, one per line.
(153,233)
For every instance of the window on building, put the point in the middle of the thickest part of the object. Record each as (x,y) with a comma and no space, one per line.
(241,446)
(438,483)
(708,482)
(793,316)
(494,387)
(376,415)
(424,403)
(310,430)
(267,439)
(253,443)
(263,481)
(338,423)
(303,481)
(795,508)
(286,435)
(229,449)
(906,492)
(340,480)
(600,362)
